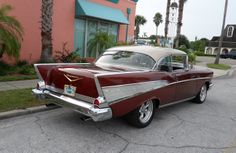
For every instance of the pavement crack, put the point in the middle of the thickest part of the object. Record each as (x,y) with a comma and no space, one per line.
(161,145)
(200,125)
(116,135)
(174,127)
(184,146)
(41,128)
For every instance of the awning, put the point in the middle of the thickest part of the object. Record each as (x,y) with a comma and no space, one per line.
(89,9)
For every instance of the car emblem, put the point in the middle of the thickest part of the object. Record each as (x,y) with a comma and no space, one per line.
(72,78)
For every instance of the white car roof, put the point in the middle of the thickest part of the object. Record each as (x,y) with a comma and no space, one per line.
(154,52)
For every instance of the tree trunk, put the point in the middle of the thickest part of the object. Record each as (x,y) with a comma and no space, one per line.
(137,31)
(2,48)
(46,30)
(156,33)
(179,24)
(167,18)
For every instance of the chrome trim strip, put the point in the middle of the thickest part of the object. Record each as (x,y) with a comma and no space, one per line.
(61,64)
(176,102)
(194,79)
(114,73)
(56,64)
(99,89)
(77,96)
(38,73)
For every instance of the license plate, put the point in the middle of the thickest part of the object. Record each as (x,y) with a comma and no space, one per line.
(69,90)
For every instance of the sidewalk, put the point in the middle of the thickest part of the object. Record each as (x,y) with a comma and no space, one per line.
(11,85)
(217,72)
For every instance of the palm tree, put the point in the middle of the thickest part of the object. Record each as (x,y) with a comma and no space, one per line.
(99,43)
(167,18)
(180,18)
(11,33)
(139,20)
(157,20)
(46,30)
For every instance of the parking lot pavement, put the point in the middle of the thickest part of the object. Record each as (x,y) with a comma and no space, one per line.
(181,128)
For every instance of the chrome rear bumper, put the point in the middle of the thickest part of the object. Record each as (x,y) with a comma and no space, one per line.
(87,109)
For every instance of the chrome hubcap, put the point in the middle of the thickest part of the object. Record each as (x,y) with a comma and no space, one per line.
(146,111)
(203,93)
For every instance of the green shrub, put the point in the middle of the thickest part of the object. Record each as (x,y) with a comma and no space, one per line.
(22,63)
(4,68)
(67,56)
(192,57)
(26,70)
(183,48)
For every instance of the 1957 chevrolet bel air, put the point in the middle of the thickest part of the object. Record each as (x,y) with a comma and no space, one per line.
(126,81)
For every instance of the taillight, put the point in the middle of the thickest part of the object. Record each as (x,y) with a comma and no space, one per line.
(96,103)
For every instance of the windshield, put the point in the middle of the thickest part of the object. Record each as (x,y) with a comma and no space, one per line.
(126,59)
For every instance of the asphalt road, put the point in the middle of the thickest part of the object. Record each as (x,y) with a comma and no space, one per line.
(182,128)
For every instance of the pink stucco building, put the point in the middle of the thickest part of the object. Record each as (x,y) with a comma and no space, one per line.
(74,22)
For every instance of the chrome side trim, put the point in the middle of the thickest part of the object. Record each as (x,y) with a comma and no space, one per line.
(115,73)
(77,96)
(38,73)
(176,102)
(194,79)
(114,93)
(103,101)
(60,64)
(56,64)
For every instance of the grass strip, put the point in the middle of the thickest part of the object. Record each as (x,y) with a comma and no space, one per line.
(219,66)
(17,99)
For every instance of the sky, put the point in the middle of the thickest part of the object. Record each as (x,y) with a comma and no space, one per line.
(202,18)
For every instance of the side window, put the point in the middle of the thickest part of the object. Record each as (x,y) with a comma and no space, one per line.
(165,64)
(178,62)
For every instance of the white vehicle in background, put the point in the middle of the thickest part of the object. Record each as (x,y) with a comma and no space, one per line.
(143,41)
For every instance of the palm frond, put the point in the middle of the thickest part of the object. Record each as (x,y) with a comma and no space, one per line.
(11,33)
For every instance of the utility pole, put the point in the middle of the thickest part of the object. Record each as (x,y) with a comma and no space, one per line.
(222,33)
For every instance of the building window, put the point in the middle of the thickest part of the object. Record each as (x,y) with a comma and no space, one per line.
(85,29)
(230,31)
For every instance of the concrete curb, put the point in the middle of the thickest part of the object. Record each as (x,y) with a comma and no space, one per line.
(31,110)
(229,73)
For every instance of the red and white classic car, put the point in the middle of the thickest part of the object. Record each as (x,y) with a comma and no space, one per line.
(128,81)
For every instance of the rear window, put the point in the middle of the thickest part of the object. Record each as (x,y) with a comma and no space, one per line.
(126,59)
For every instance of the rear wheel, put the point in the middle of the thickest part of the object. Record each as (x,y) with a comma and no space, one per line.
(143,115)
(202,95)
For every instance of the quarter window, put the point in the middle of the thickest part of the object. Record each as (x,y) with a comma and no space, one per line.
(165,64)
